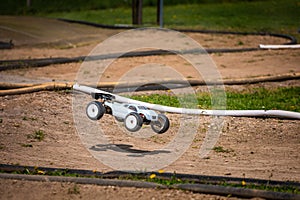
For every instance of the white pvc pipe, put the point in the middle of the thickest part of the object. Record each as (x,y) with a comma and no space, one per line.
(237,113)
(291,46)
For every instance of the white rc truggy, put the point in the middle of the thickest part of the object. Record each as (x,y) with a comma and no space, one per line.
(133,115)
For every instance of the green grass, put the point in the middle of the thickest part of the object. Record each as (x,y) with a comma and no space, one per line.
(26,145)
(280,16)
(220,149)
(37,135)
(257,99)
(46,6)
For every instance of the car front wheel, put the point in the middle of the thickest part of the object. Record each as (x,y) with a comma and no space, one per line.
(133,122)
(161,125)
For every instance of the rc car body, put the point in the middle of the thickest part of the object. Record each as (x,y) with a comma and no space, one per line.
(132,115)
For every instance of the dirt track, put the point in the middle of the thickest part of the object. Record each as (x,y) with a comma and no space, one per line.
(254,148)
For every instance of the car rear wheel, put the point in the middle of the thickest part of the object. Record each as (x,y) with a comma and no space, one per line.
(95,110)
(133,122)
(161,125)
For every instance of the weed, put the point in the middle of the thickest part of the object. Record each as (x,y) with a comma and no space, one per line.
(38,135)
(220,149)
(244,184)
(165,181)
(157,139)
(74,189)
(26,145)
(240,43)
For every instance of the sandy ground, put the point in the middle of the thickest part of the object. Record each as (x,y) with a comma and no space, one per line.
(254,148)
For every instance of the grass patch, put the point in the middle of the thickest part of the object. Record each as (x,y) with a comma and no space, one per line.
(37,135)
(220,149)
(257,99)
(252,16)
(243,184)
(261,98)
(74,190)
(280,16)
(155,178)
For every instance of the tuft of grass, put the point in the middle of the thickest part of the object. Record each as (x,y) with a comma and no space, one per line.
(220,149)
(243,184)
(155,178)
(38,135)
(26,145)
(74,189)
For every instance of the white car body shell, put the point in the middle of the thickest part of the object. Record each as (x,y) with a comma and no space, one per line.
(121,110)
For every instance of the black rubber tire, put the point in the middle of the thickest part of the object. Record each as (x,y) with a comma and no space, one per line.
(133,122)
(161,125)
(95,110)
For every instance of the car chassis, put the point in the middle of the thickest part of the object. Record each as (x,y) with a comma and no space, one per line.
(132,115)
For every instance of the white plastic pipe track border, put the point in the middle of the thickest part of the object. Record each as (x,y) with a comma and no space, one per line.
(236,113)
(283,46)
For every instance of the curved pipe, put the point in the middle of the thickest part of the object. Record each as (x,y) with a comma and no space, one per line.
(270,46)
(292,39)
(22,88)
(237,113)
(201,183)
(201,188)
(29,88)
(41,62)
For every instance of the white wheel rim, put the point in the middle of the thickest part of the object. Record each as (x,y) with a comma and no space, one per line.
(92,110)
(159,124)
(131,122)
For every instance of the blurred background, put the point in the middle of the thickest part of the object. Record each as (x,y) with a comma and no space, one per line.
(280,16)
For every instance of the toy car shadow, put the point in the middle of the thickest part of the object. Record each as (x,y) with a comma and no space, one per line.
(132,115)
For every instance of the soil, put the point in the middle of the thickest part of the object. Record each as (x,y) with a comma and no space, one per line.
(252,147)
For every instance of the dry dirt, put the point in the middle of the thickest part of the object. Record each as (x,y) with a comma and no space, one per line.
(255,148)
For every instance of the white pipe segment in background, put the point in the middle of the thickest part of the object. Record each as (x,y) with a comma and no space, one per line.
(283,46)
(236,113)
